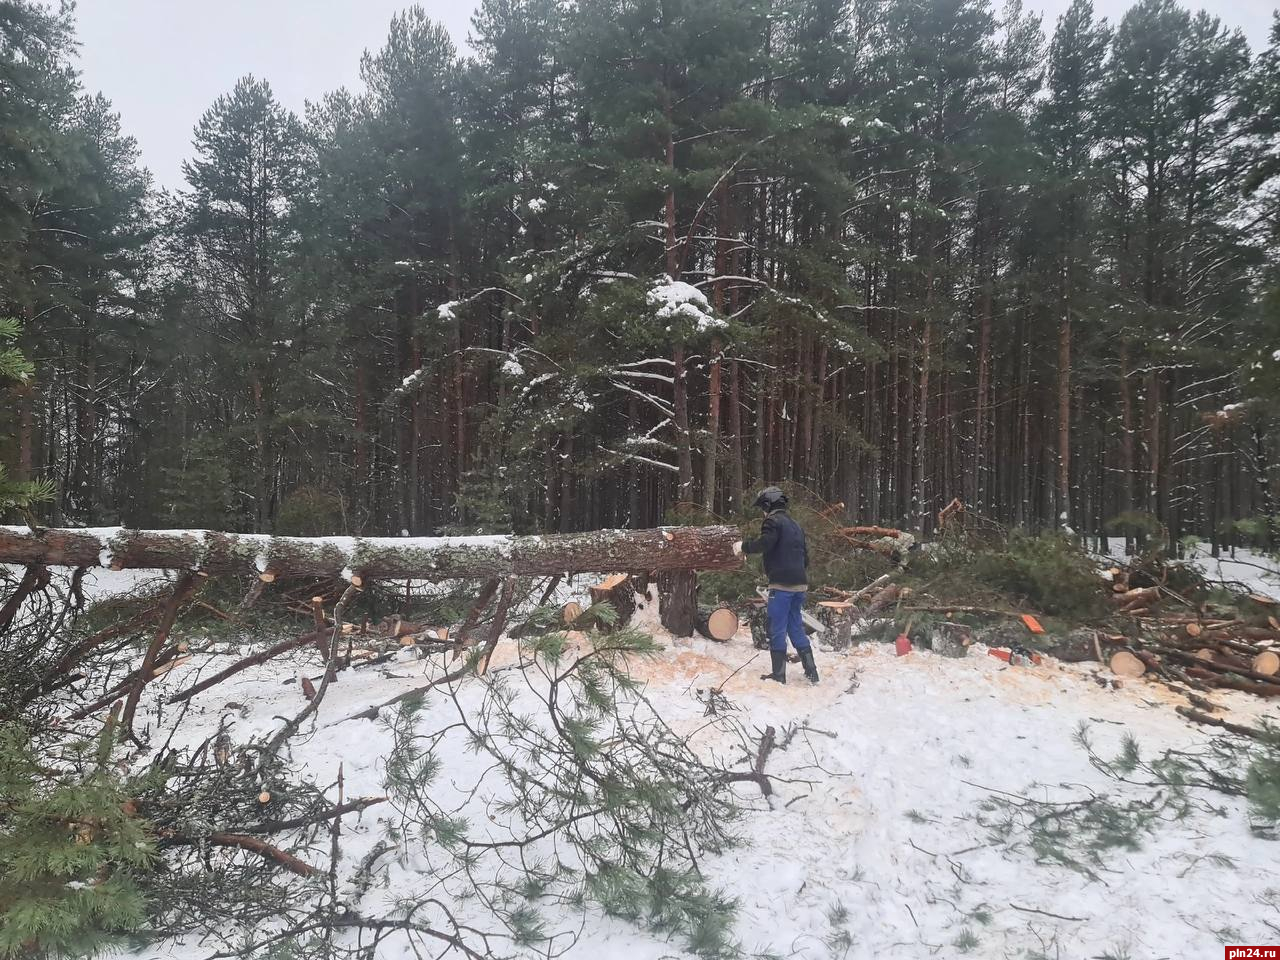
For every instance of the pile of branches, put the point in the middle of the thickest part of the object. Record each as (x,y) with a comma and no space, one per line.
(1188,634)
(228,839)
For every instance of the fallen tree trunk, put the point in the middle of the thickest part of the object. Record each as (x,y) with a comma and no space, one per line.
(378,558)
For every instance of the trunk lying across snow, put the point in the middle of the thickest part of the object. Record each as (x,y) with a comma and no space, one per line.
(385,558)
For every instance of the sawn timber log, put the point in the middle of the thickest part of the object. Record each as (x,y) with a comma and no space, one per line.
(377,558)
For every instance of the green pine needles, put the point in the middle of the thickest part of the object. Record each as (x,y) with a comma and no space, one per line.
(72,850)
(591,799)
(1083,832)
(15,366)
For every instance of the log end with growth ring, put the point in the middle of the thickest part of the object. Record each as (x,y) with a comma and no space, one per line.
(1125,664)
(1267,663)
(719,624)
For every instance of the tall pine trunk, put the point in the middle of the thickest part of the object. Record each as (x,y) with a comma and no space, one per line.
(1064,417)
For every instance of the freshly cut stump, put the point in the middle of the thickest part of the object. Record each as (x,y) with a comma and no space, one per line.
(1125,664)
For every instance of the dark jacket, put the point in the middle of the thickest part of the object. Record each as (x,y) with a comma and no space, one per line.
(786,556)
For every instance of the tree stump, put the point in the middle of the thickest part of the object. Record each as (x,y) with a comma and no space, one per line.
(678,601)
(619,593)
(952,640)
(837,616)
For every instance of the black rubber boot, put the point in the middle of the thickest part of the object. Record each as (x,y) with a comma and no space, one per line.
(779,660)
(810,668)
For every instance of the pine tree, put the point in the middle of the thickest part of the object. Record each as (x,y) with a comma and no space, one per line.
(1068,131)
(412,103)
(237,242)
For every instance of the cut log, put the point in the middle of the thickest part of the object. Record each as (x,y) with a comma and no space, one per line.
(1194,629)
(1224,664)
(1206,653)
(872,588)
(884,599)
(381,558)
(1125,664)
(1204,718)
(570,612)
(719,623)
(1234,682)
(1267,663)
(871,532)
(1132,600)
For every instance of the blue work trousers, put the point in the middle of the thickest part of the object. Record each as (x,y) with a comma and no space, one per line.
(785,618)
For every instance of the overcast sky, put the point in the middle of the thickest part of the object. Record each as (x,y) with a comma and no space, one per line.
(162,62)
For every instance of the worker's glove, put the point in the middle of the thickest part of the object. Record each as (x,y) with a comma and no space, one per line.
(737,548)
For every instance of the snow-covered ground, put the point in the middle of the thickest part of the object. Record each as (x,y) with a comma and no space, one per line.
(871,845)
(874,843)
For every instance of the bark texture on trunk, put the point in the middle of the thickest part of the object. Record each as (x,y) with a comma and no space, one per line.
(385,558)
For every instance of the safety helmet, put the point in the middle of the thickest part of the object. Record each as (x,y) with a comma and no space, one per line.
(770,499)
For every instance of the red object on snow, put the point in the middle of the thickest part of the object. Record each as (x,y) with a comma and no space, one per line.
(902,644)
(1012,658)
